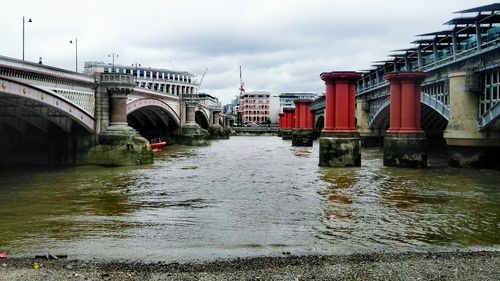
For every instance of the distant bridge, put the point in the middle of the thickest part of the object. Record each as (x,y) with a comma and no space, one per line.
(46,113)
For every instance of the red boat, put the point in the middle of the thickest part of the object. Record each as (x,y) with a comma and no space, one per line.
(158,145)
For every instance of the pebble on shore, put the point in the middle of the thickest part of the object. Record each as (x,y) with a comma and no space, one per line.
(469,265)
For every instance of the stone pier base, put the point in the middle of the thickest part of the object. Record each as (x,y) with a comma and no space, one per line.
(286,134)
(218,132)
(474,157)
(194,135)
(405,150)
(120,145)
(302,138)
(340,151)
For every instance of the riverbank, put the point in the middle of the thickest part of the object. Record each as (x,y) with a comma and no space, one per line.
(475,265)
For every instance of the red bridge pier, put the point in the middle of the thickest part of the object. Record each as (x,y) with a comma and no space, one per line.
(303,134)
(340,144)
(405,144)
(281,124)
(288,123)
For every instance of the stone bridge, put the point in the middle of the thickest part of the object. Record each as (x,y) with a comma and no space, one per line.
(51,115)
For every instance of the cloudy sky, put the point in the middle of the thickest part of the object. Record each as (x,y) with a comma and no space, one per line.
(282,46)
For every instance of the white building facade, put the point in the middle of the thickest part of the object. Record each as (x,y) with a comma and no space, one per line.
(286,99)
(161,80)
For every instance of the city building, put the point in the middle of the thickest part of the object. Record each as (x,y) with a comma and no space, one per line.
(255,107)
(156,79)
(286,99)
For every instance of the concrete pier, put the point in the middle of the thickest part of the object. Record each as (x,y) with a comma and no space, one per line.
(340,144)
(119,144)
(216,131)
(405,144)
(191,133)
(467,146)
(304,124)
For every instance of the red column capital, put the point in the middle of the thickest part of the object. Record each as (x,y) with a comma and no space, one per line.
(405,101)
(416,76)
(340,76)
(302,108)
(340,101)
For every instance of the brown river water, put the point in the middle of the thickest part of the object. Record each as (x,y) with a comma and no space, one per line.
(247,196)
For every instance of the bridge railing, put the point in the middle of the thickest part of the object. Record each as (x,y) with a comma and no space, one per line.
(318,103)
(465,49)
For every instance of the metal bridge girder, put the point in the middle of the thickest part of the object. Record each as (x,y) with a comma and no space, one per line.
(46,104)
(489,117)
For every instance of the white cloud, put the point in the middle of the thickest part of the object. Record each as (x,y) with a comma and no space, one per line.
(282,45)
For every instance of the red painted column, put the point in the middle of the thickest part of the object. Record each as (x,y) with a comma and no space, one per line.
(329,105)
(311,121)
(395,105)
(289,115)
(281,116)
(303,117)
(302,114)
(340,101)
(405,102)
(298,115)
(352,106)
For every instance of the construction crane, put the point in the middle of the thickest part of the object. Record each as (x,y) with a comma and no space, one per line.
(202,76)
(242,89)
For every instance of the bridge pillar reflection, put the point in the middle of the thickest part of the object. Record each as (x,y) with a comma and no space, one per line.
(288,124)
(405,144)
(340,144)
(303,128)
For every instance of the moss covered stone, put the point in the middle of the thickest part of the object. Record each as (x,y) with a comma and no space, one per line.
(120,151)
(218,132)
(407,151)
(342,151)
(302,138)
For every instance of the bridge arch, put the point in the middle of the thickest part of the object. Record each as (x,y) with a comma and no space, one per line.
(31,103)
(38,126)
(138,104)
(201,117)
(434,116)
(152,118)
(320,123)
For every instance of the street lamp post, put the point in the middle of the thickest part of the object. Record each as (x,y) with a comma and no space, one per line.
(76,53)
(113,56)
(29,20)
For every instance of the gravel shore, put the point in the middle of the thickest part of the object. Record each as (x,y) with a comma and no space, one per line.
(461,265)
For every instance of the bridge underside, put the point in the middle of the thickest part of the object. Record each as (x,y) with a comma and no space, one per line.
(202,119)
(432,122)
(320,123)
(153,122)
(33,133)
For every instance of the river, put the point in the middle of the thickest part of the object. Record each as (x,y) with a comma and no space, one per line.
(247,196)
